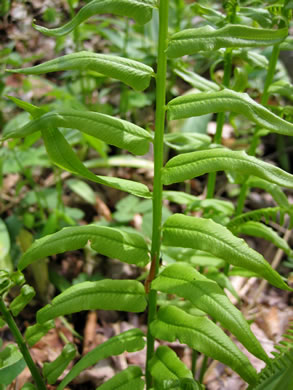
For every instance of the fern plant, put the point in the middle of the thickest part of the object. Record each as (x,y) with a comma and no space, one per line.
(186,320)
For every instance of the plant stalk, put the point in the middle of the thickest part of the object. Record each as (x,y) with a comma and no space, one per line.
(221,116)
(158,164)
(203,368)
(22,346)
(220,120)
(193,362)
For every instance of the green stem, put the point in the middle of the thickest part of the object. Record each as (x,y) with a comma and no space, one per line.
(124,90)
(158,164)
(271,72)
(220,120)
(203,368)
(265,96)
(22,346)
(193,362)
(241,199)
(77,42)
(221,116)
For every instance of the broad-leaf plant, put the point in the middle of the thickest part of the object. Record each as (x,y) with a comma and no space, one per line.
(183,302)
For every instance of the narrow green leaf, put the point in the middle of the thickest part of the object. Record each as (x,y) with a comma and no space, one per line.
(208,13)
(207,235)
(273,189)
(202,103)
(5,259)
(186,142)
(278,374)
(53,370)
(132,340)
(194,257)
(196,81)
(33,110)
(193,202)
(111,242)
(139,10)
(125,160)
(133,73)
(112,130)
(35,332)
(260,15)
(62,155)
(165,364)
(267,214)
(190,165)
(258,229)
(83,190)
(26,295)
(205,294)
(179,384)
(207,38)
(12,364)
(130,378)
(107,294)
(203,335)
(28,386)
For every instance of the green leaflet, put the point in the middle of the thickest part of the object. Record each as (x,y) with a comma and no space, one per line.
(12,364)
(273,189)
(258,229)
(205,294)
(193,257)
(179,384)
(113,131)
(111,242)
(275,214)
(186,142)
(132,340)
(139,10)
(33,110)
(62,155)
(196,81)
(277,375)
(202,103)
(133,73)
(28,386)
(193,202)
(190,165)
(260,15)
(35,332)
(107,294)
(130,378)
(54,369)
(207,38)
(26,295)
(204,234)
(165,364)
(203,335)
(208,13)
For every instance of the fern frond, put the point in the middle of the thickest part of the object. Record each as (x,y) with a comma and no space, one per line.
(278,373)
(275,214)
